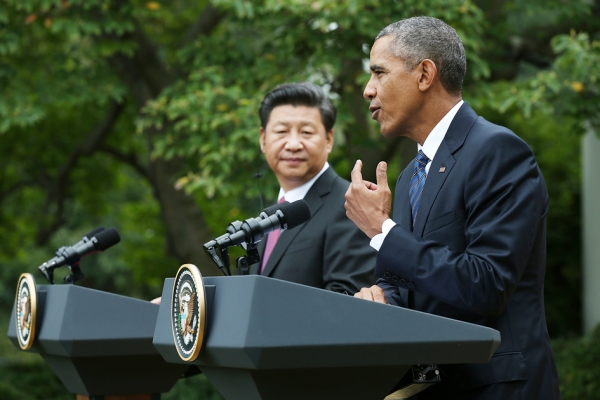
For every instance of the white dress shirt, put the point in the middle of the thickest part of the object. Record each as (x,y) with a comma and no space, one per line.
(430,147)
(299,192)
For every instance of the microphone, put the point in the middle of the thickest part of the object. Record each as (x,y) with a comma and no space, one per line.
(71,255)
(284,216)
(236,226)
(89,235)
(267,212)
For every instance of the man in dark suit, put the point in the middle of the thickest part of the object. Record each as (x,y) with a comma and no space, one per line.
(328,251)
(467,240)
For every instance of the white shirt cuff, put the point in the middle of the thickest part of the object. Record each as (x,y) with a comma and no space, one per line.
(378,239)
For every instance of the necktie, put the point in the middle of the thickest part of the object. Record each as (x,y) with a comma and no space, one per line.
(271,241)
(417,182)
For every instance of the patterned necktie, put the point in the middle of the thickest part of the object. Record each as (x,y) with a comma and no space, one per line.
(417,182)
(271,241)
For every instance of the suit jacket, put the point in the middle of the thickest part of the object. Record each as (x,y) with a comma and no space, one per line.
(477,253)
(328,251)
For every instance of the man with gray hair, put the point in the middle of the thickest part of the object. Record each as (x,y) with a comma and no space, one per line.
(468,235)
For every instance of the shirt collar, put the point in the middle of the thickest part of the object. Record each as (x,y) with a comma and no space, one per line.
(433,141)
(299,192)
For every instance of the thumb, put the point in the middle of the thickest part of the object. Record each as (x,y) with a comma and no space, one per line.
(382,175)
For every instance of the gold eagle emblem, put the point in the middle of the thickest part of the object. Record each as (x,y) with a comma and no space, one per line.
(187,308)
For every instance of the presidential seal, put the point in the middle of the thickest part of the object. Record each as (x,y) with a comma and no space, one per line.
(188,312)
(26,311)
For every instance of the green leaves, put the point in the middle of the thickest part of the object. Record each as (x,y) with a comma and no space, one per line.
(210,115)
(193,81)
(570,88)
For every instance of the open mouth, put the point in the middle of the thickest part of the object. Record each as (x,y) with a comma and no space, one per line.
(375,111)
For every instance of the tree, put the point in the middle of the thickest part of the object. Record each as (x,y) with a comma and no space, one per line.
(158,101)
(98,67)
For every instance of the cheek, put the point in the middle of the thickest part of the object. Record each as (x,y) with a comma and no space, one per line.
(272,149)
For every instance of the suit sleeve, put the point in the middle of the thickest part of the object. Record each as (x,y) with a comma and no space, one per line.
(504,201)
(348,259)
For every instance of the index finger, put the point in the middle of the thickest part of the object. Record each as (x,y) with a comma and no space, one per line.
(356,173)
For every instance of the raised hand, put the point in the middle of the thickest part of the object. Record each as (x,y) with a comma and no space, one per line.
(368,205)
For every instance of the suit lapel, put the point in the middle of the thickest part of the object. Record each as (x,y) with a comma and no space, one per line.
(314,199)
(443,162)
(402,214)
(255,268)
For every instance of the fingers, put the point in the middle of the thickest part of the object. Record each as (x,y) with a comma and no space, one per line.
(370,185)
(356,173)
(382,174)
(365,293)
(156,300)
(378,294)
(373,293)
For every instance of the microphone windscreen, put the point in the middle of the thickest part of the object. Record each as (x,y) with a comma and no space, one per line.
(273,209)
(93,232)
(107,238)
(295,213)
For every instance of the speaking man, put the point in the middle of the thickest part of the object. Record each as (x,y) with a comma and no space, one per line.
(467,240)
(328,251)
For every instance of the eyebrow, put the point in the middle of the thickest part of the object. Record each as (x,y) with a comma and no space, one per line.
(287,123)
(376,68)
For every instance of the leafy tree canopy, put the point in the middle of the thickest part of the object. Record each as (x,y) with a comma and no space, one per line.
(143,114)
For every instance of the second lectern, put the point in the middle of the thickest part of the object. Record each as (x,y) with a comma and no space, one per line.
(266,339)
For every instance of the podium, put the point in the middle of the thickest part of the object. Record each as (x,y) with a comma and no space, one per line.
(267,339)
(99,343)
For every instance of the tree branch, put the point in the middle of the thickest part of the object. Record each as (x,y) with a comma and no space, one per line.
(208,20)
(128,158)
(11,189)
(95,137)
(57,187)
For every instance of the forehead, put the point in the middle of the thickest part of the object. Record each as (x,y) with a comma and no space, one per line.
(381,54)
(289,114)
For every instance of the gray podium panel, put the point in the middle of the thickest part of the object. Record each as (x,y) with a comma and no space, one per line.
(271,339)
(99,343)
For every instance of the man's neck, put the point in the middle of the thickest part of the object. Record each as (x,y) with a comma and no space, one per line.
(433,114)
(298,192)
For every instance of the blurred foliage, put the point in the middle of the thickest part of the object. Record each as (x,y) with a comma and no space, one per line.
(578,362)
(35,381)
(214,109)
(194,387)
(95,94)
(570,87)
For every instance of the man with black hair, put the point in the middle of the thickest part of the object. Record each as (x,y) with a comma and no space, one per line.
(328,251)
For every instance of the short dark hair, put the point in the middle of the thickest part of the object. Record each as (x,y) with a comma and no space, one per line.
(419,38)
(298,94)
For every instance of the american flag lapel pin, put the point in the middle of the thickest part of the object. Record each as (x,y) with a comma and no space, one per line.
(442,169)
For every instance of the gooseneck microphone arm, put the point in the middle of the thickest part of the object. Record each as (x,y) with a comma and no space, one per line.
(248,233)
(97,240)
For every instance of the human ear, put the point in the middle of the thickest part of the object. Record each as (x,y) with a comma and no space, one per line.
(329,139)
(427,74)
(262,139)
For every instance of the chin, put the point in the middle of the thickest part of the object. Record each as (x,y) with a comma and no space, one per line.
(386,133)
(390,132)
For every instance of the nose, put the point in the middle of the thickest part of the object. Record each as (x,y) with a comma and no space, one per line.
(369,92)
(293,142)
